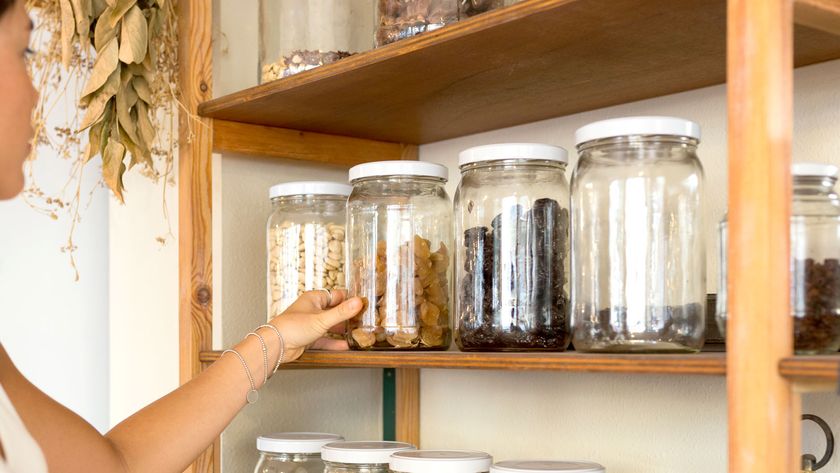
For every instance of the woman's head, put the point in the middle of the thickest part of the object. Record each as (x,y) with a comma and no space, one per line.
(17,96)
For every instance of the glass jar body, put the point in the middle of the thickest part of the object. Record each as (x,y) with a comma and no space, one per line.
(399,263)
(289,463)
(305,247)
(297,35)
(814,266)
(400,19)
(335,467)
(638,253)
(512,222)
(470,8)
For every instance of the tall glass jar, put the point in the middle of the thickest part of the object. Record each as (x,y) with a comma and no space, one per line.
(512,222)
(400,19)
(360,457)
(440,461)
(298,35)
(546,466)
(292,452)
(638,252)
(815,260)
(305,240)
(399,225)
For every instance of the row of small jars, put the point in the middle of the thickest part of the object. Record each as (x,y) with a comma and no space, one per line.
(328,453)
(298,35)
(638,262)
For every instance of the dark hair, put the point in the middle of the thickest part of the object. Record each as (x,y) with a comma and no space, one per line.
(4,5)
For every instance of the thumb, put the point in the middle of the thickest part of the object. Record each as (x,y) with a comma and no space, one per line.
(340,313)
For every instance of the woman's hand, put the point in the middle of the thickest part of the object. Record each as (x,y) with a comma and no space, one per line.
(306,322)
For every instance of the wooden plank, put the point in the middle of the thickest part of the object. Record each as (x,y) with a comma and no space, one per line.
(534,60)
(194,195)
(698,364)
(824,368)
(823,15)
(267,141)
(763,411)
(408,406)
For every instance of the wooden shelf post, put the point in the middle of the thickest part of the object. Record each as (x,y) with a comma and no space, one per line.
(763,411)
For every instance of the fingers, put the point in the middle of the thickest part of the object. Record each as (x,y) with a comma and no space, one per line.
(338,296)
(339,313)
(330,344)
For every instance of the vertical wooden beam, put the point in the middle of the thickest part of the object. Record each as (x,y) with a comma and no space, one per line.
(195,21)
(763,411)
(408,405)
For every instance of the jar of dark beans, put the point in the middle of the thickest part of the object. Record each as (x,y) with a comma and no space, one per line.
(815,260)
(638,258)
(400,19)
(512,226)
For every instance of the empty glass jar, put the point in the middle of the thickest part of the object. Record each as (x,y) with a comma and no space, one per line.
(293,452)
(298,35)
(399,225)
(815,260)
(638,252)
(512,220)
(440,461)
(545,466)
(360,457)
(305,240)
(400,19)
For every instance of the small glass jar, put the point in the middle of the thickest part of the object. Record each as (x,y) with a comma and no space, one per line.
(512,222)
(293,452)
(305,240)
(398,222)
(815,260)
(360,457)
(400,19)
(546,466)
(440,461)
(298,35)
(638,252)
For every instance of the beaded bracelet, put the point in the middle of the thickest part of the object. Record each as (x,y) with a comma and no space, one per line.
(282,345)
(253,395)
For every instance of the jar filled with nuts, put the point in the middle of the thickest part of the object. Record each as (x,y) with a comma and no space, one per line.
(398,223)
(305,237)
(400,19)
(512,222)
(360,457)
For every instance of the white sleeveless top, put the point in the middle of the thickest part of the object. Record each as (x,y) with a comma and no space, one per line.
(22,454)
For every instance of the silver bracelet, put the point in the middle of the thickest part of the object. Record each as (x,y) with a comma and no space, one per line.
(282,345)
(253,395)
(265,355)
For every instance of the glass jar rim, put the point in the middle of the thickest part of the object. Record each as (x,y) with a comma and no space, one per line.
(513,161)
(629,139)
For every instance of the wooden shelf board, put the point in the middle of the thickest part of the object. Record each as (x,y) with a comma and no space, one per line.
(534,60)
(698,364)
(809,369)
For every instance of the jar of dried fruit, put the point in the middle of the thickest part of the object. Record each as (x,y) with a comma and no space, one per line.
(298,452)
(305,240)
(398,223)
(360,457)
(815,260)
(638,251)
(512,223)
(400,19)
(440,461)
(298,35)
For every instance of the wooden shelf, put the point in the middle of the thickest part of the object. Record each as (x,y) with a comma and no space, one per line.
(534,60)
(821,369)
(699,364)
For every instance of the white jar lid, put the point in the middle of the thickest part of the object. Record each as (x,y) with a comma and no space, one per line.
(546,466)
(629,126)
(295,442)
(357,453)
(309,188)
(440,461)
(814,169)
(500,151)
(398,168)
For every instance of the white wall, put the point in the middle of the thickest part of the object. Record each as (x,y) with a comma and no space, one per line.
(56,329)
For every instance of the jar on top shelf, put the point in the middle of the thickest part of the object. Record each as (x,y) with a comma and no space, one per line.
(638,252)
(298,452)
(360,457)
(512,222)
(305,240)
(399,226)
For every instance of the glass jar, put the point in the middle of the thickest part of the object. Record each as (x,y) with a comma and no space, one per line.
(815,260)
(298,35)
(638,252)
(400,19)
(293,452)
(545,466)
(398,220)
(470,8)
(440,461)
(512,222)
(360,457)
(305,240)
